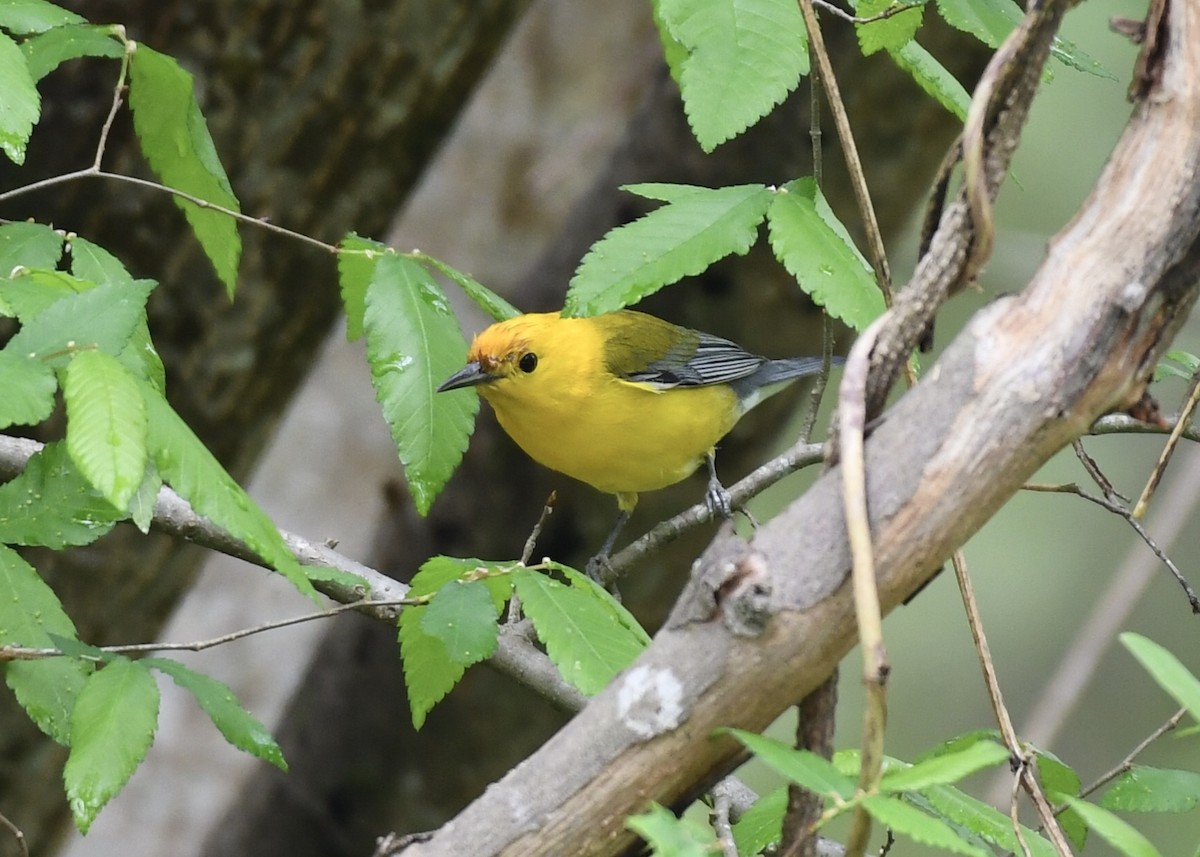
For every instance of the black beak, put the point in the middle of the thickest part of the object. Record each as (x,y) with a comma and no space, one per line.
(468,376)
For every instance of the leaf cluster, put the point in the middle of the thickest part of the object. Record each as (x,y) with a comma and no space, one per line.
(921,801)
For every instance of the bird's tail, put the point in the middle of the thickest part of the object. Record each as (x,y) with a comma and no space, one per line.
(773,376)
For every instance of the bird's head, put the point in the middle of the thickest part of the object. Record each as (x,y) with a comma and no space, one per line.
(507,351)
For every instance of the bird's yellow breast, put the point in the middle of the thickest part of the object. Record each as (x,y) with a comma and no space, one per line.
(619,437)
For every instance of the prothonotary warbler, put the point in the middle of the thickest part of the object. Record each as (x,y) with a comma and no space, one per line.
(625,402)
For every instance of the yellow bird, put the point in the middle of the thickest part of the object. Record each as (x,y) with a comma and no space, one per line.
(625,402)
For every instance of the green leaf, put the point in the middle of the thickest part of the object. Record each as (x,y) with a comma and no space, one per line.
(34,16)
(762,825)
(94,264)
(187,466)
(986,822)
(28,386)
(141,358)
(1058,778)
(91,262)
(933,78)
(944,769)
(47,51)
(960,742)
(31,291)
(429,672)
(1055,775)
(803,767)
(673,52)
(141,507)
(20,104)
(29,245)
(1143,789)
(238,726)
(51,504)
(463,616)
(413,344)
(175,140)
(1188,364)
(106,425)
(581,581)
(916,825)
(891,33)
(744,57)
(817,250)
(697,227)
(29,613)
(1166,669)
(669,836)
(112,727)
(991,21)
(356,265)
(103,317)
(579,631)
(1186,359)
(487,300)
(1113,830)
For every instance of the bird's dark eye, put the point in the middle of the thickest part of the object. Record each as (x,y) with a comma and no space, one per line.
(528,362)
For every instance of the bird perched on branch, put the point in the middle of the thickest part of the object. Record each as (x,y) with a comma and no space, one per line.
(625,402)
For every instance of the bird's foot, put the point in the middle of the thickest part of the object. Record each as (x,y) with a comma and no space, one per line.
(718,500)
(600,569)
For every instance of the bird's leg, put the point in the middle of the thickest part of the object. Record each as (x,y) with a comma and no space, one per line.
(716,498)
(597,567)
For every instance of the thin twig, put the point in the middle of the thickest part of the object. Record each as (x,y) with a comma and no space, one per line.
(1125,424)
(514,602)
(1160,467)
(118,90)
(822,382)
(94,172)
(1021,758)
(1014,811)
(1093,470)
(1127,763)
(797,457)
(1118,509)
(852,420)
(22,653)
(722,805)
(841,122)
(17,833)
(889,12)
(531,542)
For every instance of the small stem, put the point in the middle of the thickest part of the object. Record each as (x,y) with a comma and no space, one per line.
(117,98)
(21,653)
(1160,467)
(850,149)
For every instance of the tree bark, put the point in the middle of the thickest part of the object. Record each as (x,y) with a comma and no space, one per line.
(324,114)
(1028,374)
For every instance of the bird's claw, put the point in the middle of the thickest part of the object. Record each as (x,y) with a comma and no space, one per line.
(598,568)
(718,500)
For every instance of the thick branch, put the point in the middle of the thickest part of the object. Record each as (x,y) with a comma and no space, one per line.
(1027,375)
